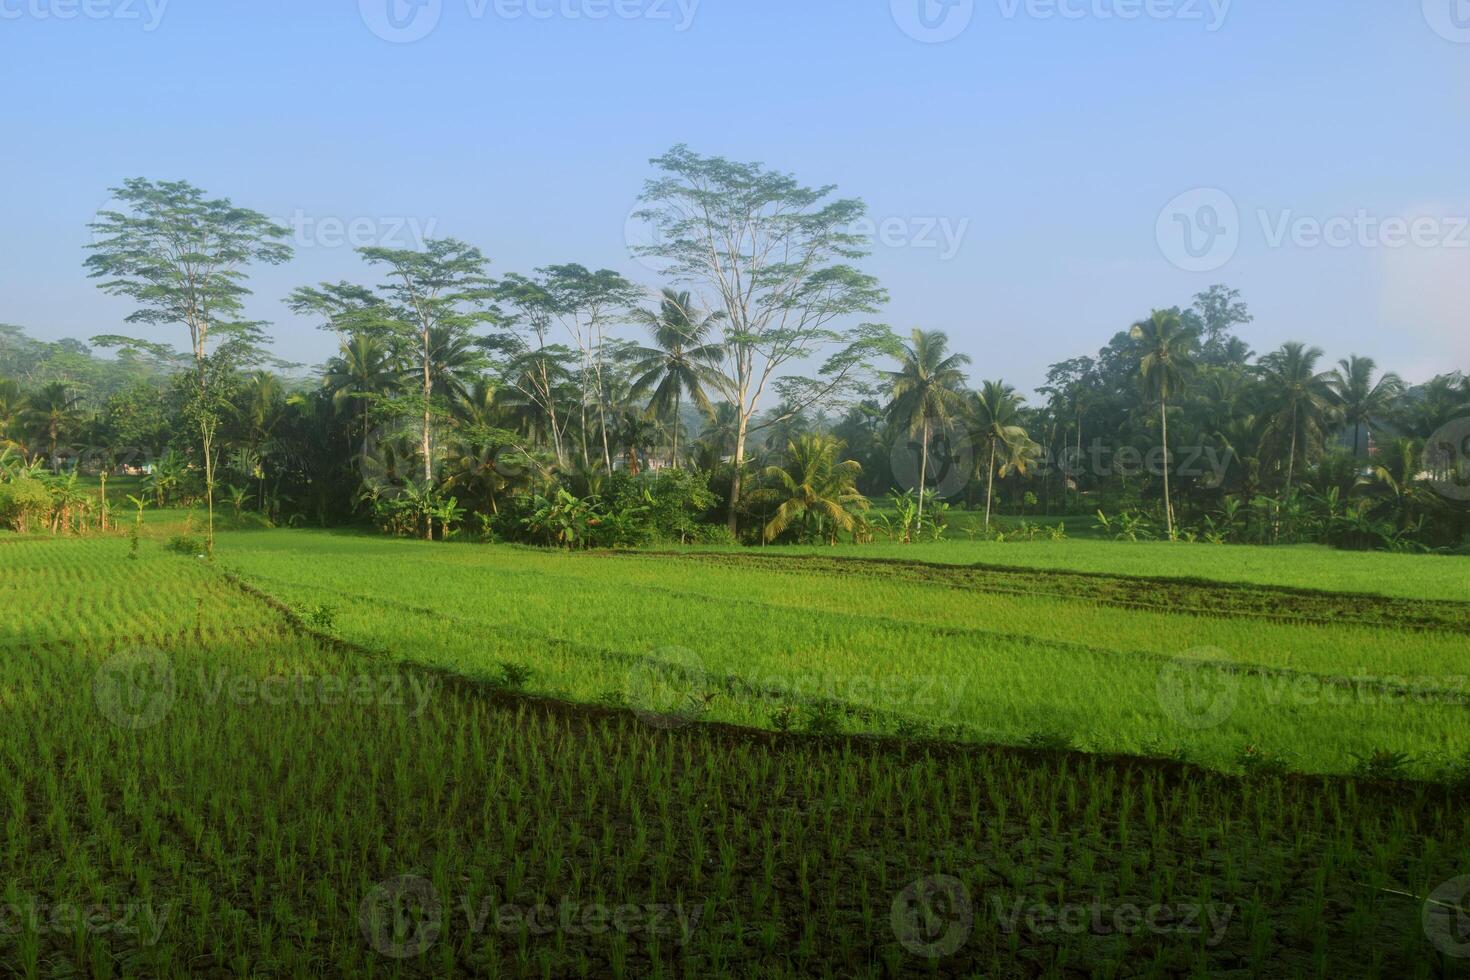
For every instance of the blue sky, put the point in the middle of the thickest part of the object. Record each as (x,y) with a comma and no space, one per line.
(1025,167)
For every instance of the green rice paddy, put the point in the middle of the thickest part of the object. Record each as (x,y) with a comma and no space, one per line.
(331,754)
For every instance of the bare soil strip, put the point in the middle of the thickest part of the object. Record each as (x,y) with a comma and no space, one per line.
(1178,595)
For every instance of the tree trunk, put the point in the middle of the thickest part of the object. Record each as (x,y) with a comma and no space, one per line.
(1168,499)
(678,406)
(1291,461)
(606,447)
(923,473)
(551,411)
(741,428)
(989,483)
(425,447)
(209,484)
(1077,463)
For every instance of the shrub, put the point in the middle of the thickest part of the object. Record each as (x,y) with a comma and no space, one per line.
(1382,764)
(322,618)
(823,718)
(1053,741)
(1157,747)
(22,501)
(716,534)
(1457,773)
(514,675)
(1256,761)
(184,544)
(913,728)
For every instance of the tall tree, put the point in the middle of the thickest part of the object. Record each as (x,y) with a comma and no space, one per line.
(182,257)
(587,304)
(1219,311)
(926,391)
(424,313)
(438,292)
(538,372)
(1072,385)
(680,361)
(777,256)
(1167,361)
(52,412)
(1364,401)
(1300,399)
(995,420)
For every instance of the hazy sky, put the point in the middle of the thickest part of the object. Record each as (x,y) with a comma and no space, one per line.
(1043,173)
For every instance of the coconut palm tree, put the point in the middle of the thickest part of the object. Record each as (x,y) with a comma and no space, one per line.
(994,417)
(1364,401)
(815,488)
(454,363)
(679,363)
(259,407)
(927,391)
(1167,361)
(363,370)
(1300,401)
(50,413)
(1436,403)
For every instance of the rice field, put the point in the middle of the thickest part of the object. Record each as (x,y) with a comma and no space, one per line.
(1299,566)
(319,757)
(1209,672)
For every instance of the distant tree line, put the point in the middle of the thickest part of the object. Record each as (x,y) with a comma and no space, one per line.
(567,406)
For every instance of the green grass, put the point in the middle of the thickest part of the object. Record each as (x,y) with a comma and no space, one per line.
(1301,566)
(193,785)
(819,644)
